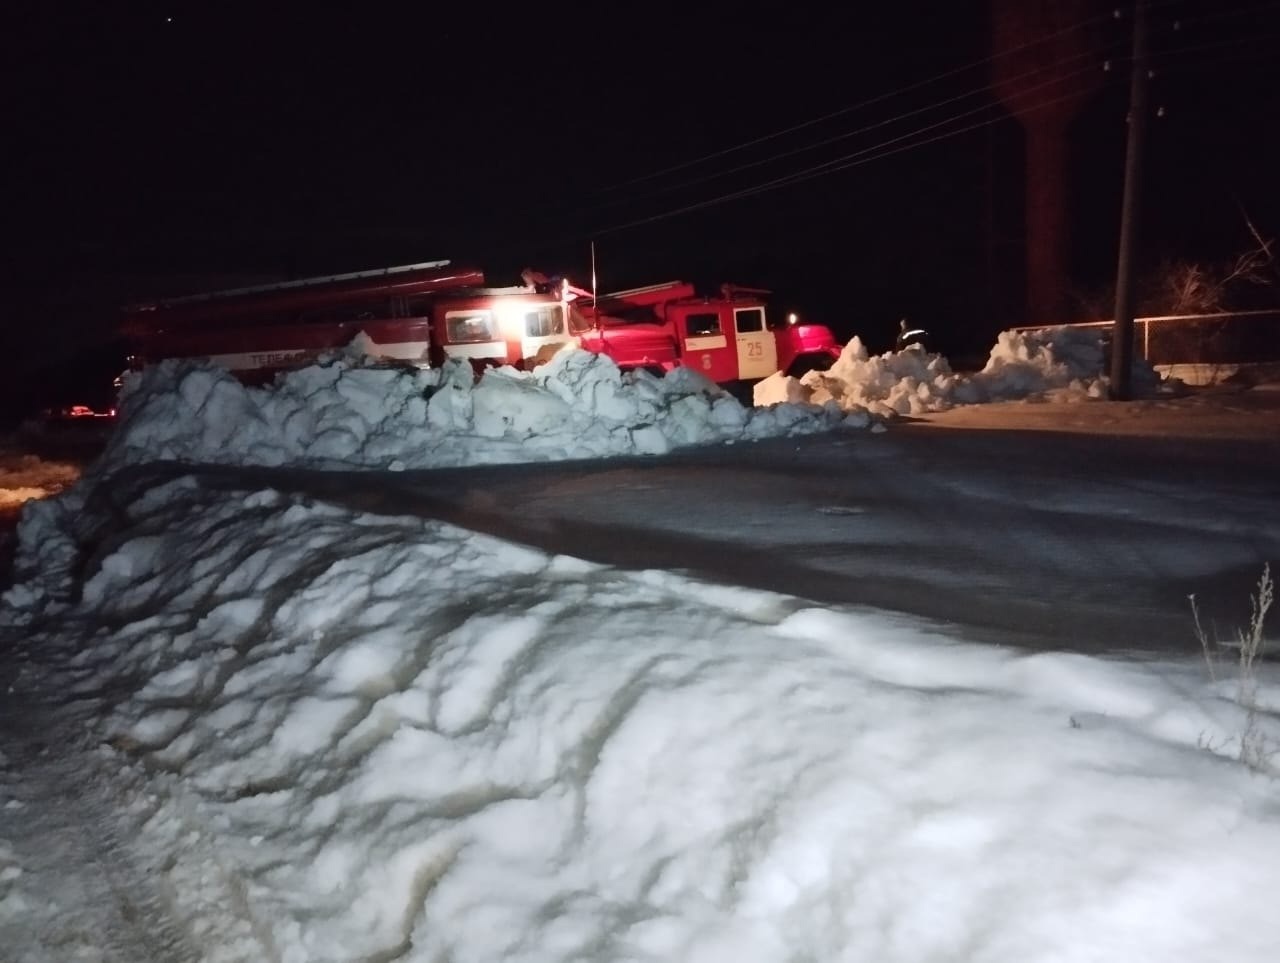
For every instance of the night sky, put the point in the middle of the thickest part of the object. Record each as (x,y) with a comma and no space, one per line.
(161,148)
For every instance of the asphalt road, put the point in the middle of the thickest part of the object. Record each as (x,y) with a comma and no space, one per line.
(1028,537)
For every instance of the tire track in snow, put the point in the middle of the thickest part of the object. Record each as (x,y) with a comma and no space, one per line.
(84,892)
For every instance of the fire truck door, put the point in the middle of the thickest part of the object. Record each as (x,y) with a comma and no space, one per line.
(757,351)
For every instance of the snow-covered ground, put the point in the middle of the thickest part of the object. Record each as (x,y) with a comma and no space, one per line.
(246,724)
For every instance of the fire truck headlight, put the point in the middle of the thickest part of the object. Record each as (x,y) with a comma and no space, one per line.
(792,318)
(511,320)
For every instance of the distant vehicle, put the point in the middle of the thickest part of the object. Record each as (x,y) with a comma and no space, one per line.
(84,411)
(75,413)
(68,430)
(422,314)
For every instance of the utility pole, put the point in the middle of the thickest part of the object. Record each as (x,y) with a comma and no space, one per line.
(1122,331)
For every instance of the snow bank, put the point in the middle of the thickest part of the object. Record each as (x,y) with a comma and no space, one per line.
(347,414)
(373,737)
(1061,364)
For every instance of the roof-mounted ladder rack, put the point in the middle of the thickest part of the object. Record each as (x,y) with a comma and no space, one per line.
(300,283)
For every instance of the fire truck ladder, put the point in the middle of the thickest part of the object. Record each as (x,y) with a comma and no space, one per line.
(304,282)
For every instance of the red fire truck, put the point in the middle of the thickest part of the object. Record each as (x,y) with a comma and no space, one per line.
(424,313)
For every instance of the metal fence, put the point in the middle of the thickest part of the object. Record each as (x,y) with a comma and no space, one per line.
(1224,337)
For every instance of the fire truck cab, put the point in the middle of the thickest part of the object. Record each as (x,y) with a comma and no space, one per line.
(729,337)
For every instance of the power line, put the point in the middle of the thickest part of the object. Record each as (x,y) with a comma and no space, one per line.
(773,158)
(864,156)
(1057,77)
(887,148)
(1088,22)
(603,205)
(876,151)
(822,170)
(927,108)
(879,98)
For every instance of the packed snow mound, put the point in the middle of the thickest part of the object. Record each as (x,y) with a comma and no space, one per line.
(1059,364)
(347,414)
(375,737)
(349,411)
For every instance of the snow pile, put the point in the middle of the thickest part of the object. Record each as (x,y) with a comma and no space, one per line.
(12,900)
(370,737)
(1061,364)
(897,382)
(347,414)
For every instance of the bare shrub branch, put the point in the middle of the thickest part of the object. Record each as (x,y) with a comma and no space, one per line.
(1256,749)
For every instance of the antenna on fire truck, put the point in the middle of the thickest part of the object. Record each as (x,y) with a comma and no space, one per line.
(595,294)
